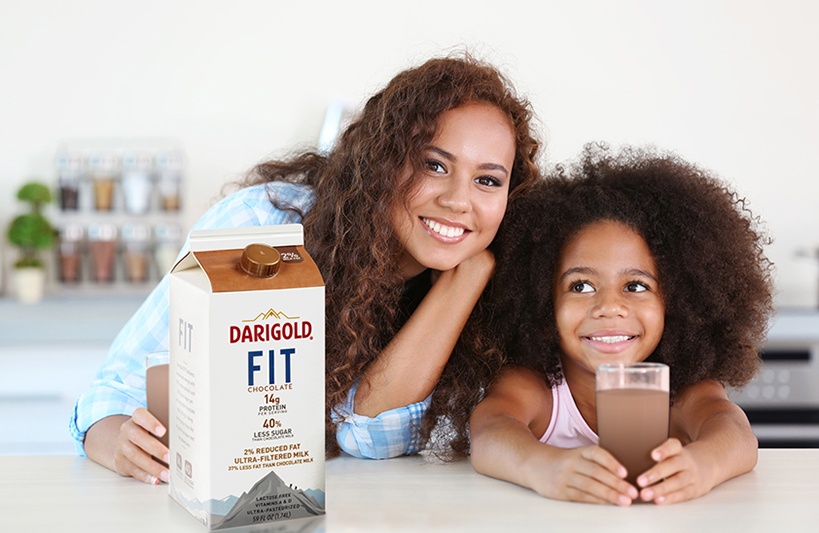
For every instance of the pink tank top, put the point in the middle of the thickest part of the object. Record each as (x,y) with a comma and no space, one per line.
(567,429)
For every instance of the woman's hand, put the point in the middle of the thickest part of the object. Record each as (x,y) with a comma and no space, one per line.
(137,447)
(679,473)
(126,444)
(479,268)
(589,474)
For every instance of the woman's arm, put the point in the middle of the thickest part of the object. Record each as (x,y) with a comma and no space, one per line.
(390,434)
(409,368)
(102,425)
(503,430)
(118,391)
(711,442)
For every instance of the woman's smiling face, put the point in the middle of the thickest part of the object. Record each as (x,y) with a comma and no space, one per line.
(608,303)
(460,199)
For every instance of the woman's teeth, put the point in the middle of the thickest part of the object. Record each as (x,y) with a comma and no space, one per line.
(612,340)
(446,231)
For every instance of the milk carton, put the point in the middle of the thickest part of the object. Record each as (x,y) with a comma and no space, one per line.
(247,378)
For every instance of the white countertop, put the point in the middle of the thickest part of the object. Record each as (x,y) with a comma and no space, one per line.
(68,493)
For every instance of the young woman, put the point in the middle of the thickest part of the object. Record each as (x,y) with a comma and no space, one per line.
(398,217)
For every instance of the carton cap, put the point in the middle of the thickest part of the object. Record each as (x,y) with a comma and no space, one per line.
(261,260)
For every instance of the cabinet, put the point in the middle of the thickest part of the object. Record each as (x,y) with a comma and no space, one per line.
(49,353)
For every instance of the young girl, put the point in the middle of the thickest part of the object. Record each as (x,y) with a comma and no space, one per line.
(398,217)
(624,258)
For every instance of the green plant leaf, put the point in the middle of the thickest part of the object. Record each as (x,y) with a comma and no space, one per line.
(32,231)
(35,193)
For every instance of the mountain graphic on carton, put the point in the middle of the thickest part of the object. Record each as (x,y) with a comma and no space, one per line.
(271,312)
(202,510)
(303,504)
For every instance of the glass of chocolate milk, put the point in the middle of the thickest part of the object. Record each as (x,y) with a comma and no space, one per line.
(156,388)
(632,412)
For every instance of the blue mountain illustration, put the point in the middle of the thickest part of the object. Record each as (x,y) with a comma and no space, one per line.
(317,495)
(220,507)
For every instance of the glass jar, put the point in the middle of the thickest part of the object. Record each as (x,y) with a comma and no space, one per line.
(102,243)
(168,244)
(70,253)
(69,172)
(136,241)
(103,170)
(136,183)
(169,181)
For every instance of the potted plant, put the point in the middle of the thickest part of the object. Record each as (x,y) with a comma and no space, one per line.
(31,232)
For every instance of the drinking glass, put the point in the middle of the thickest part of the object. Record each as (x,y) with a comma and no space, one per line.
(632,412)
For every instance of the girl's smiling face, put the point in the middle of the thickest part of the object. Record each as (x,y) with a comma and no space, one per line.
(459,201)
(608,303)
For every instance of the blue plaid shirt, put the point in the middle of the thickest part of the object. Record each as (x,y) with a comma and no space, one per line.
(119,386)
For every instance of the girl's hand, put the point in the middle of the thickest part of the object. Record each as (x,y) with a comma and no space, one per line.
(683,476)
(137,446)
(589,474)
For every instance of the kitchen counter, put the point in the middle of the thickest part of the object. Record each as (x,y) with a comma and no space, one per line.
(60,319)
(68,493)
(794,326)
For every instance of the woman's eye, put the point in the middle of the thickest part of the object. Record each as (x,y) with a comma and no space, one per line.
(581,286)
(636,286)
(434,166)
(487,181)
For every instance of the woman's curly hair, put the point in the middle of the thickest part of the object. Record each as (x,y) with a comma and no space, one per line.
(348,231)
(708,248)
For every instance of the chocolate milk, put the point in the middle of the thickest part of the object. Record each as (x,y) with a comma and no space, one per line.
(247,378)
(156,390)
(631,423)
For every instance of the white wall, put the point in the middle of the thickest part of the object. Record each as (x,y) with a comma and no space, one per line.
(730,84)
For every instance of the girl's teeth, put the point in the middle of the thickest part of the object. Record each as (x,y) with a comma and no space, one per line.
(446,231)
(611,340)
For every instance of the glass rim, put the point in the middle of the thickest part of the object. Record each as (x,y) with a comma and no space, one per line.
(159,357)
(608,367)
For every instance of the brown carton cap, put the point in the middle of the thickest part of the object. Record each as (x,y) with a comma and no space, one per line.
(261,260)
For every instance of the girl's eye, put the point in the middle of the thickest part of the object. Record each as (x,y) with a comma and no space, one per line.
(581,286)
(434,166)
(636,286)
(487,181)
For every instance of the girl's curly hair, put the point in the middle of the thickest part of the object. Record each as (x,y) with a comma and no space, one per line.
(708,247)
(348,231)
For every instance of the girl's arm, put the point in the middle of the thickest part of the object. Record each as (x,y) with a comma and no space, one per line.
(410,366)
(503,429)
(711,442)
